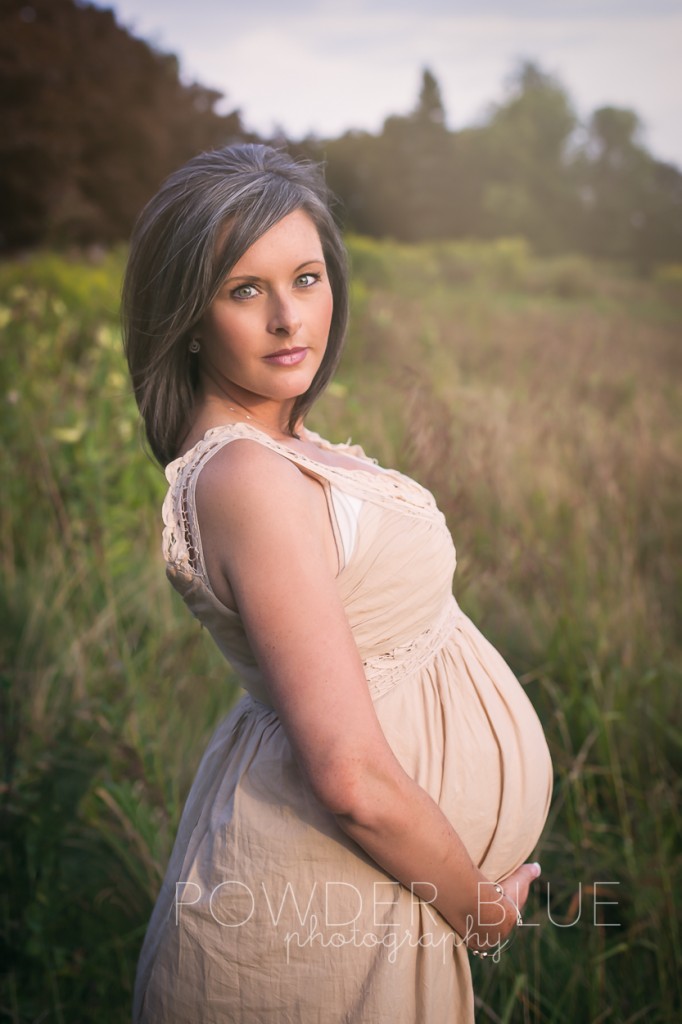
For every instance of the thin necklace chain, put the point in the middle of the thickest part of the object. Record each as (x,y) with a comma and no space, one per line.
(249,416)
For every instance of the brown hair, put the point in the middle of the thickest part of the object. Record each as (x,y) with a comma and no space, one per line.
(177,264)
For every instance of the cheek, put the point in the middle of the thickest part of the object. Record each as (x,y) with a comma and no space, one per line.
(221,326)
(327,310)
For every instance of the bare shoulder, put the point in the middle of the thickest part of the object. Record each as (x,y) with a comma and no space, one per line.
(250,498)
(245,476)
(257,511)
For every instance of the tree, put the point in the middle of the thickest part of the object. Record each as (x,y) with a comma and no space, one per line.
(93,120)
(398,184)
(659,238)
(631,203)
(526,162)
(430,109)
(613,168)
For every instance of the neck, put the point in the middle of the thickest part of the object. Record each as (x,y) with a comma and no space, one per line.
(225,398)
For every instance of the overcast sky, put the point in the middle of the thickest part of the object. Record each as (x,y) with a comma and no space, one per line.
(324,66)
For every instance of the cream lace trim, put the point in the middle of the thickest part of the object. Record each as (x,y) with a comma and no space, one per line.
(385,670)
(181,538)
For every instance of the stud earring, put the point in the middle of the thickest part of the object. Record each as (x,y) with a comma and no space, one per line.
(194,345)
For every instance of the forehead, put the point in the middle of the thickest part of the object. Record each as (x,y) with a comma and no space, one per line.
(293,238)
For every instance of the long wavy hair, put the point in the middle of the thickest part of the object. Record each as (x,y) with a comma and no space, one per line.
(180,255)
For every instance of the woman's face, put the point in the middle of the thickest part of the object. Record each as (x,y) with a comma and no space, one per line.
(265,333)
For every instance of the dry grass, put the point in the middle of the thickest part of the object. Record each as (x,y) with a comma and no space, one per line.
(541,404)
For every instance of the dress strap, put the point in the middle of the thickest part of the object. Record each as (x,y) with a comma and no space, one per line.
(182,538)
(181,543)
(382,486)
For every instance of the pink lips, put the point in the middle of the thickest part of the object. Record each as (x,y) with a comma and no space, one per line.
(287,356)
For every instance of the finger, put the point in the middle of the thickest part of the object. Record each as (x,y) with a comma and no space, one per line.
(517,885)
(526,874)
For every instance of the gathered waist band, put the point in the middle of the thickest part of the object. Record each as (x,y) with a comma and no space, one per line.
(385,670)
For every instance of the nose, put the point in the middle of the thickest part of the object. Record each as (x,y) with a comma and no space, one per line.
(284,318)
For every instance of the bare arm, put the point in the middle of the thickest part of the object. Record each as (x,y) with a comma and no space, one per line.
(277,567)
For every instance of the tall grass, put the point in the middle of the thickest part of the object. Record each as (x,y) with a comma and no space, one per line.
(541,404)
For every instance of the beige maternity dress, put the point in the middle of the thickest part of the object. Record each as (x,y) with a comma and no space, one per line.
(269,913)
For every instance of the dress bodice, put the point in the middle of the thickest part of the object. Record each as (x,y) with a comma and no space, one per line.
(396,586)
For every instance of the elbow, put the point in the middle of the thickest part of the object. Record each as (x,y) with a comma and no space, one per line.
(356,792)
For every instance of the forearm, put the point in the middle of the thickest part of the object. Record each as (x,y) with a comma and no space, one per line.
(408,835)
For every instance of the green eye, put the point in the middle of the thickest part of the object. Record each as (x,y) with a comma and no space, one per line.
(306,280)
(244,291)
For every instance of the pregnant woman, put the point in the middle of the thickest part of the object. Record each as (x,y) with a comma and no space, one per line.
(360,821)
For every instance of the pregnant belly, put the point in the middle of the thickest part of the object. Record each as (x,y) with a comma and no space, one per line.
(467,733)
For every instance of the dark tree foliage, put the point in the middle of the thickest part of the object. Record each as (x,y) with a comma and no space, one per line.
(92,121)
(527,185)
(430,106)
(401,183)
(528,169)
(511,175)
(631,202)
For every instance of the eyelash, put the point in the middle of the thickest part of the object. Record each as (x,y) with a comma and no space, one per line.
(242,298)
(315,277)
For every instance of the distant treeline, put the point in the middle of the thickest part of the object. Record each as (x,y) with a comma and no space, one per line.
(94,119)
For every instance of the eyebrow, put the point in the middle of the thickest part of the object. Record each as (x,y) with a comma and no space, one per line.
(255,277)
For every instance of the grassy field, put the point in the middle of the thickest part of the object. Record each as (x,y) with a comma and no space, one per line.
(541,402)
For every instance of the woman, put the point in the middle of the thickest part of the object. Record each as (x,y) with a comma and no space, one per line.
(338,853)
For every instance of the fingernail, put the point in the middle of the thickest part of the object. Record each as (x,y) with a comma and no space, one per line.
(537,868)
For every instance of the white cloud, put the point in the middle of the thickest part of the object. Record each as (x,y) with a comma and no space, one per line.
(324,68)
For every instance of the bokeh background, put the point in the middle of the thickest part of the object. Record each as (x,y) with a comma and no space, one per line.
(510,189)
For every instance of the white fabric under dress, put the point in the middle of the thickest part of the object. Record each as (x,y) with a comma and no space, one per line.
(269,913)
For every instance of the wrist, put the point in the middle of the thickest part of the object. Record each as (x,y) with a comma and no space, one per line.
(497,917)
